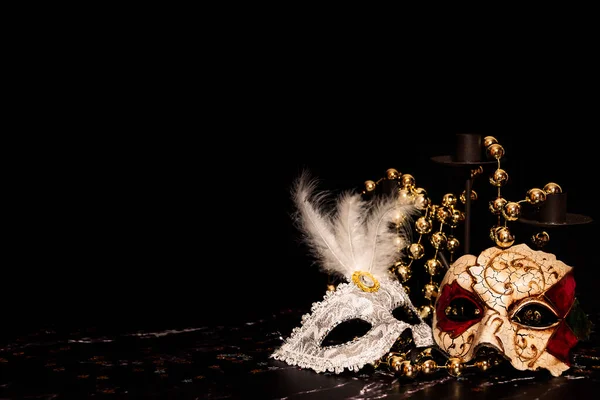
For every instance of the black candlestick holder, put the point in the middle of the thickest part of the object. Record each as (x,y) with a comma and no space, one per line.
(553,213)
(469,154)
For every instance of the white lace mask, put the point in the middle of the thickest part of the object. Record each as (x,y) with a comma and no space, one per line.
(357,245)
(348,302)
(515,300)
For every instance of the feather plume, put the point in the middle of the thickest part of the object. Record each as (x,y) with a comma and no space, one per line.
(356,234)
(349,228)
(315,222)
(381,242)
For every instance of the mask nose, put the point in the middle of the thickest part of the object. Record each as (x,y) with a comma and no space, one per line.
(489,332)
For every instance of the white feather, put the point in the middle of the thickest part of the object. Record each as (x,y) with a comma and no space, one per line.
(349,228)
(315,222)
(381,242)
(356,235)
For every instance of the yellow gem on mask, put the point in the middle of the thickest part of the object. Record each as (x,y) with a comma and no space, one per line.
(365,281)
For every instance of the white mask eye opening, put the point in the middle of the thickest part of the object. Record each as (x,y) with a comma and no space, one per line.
(403,313)
(346,332)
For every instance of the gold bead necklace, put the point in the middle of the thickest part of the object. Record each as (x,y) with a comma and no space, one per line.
(403,364)
(447,216)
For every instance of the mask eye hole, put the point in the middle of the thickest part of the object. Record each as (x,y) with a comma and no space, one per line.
(462,309)
(346,332)
(535,315)
(405,314)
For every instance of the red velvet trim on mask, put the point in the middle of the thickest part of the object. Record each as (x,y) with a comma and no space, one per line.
(449,293)
(562,295)
(561,343)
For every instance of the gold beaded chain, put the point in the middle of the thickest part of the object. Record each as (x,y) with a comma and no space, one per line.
(402,363)
(541,239)
(400,359)
(506,210)
(446,217)
(446,214)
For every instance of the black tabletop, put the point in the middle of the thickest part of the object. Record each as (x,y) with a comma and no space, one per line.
(233,361)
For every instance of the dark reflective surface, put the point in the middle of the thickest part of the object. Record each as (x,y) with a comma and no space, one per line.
(144,246)
(232,361)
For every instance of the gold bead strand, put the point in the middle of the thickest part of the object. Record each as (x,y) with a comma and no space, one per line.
(424,226)
(400,269)
(410,193)
(445,214)
(456,217)
(404,183)
(407,361)
(401,365)
(541,239)
(510,211)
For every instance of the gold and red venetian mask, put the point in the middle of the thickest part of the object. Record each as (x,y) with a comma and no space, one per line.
(519,301)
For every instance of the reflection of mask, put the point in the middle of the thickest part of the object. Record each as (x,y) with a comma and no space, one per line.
(515,300)
(348,302)
(358,245)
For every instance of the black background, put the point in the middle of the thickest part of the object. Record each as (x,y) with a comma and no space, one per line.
(139,203)
(274,271)
(189,232)
(147,182)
